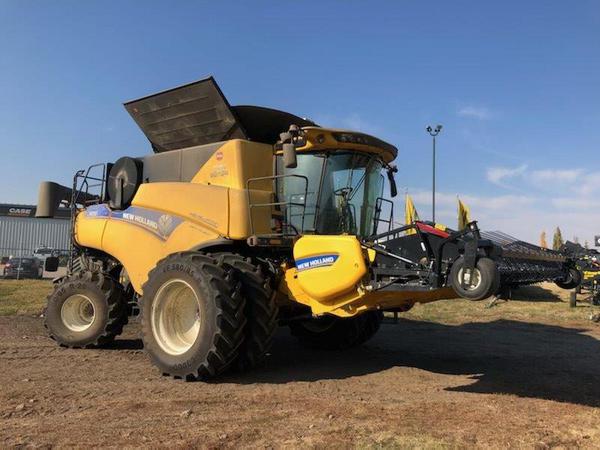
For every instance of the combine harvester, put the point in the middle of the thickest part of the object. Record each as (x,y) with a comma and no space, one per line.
(245,218)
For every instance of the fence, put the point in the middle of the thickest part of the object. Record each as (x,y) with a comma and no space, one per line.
(20,236)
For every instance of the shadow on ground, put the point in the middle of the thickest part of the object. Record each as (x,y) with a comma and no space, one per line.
(533,294)
(501,357)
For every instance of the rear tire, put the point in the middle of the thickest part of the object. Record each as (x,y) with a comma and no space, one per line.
(261,311)
(192,316)
(86,309)
(336,333)
(481,283)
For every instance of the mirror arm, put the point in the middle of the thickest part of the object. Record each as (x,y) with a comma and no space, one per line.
(391,170)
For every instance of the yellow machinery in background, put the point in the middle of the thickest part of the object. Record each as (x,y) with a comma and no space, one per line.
(245,218)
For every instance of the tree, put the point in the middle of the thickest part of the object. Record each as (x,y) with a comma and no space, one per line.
(586,245)
(557,240)
(543,242)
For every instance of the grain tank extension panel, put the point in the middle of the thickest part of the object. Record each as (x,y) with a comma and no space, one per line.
(198,113)
(186,116)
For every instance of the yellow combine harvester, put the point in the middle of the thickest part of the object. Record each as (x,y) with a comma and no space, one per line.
(243,219)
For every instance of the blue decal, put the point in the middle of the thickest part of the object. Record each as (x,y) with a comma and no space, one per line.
(158,223)
(97,211)
(316,261)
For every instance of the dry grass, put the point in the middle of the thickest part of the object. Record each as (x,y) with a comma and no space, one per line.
(23,296)
(541,303)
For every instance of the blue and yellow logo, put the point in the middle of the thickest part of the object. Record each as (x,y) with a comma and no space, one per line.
(316,261)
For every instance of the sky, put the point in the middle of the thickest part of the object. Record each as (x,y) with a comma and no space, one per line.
(515,84)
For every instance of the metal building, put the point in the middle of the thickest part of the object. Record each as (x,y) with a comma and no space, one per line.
(21,232)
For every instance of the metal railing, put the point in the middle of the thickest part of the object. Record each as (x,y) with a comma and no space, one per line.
(286,206)
(84,184)
(377,220)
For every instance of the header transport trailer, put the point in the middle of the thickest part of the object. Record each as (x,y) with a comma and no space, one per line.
(245,218)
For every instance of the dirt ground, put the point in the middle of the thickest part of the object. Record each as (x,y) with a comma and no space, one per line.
(421,384)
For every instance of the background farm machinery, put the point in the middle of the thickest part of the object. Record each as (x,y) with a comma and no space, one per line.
(588,263)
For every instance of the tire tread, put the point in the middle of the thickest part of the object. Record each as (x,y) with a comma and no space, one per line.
(114,296)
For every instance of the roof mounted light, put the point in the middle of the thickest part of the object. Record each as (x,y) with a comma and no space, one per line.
(352,138)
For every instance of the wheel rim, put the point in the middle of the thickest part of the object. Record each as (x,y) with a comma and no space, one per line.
(77,313)
(176,317)
(471,279)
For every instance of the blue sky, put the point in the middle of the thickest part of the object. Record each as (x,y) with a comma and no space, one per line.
(515,84)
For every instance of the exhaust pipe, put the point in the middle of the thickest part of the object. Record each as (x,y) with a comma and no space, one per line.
(50,196)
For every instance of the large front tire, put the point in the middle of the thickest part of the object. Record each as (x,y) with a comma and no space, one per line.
(335,333)
(261,310)
(86,309)
(192,316)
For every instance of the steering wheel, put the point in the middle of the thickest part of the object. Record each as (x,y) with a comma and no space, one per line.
(344,192)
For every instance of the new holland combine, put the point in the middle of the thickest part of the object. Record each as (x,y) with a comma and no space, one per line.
(245,218)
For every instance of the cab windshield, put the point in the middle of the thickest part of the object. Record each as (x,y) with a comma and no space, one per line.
(342,192)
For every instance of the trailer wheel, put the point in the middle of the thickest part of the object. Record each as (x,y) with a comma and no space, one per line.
(261,310)
(86,309)
(192,316)
(572,280)
(335,333)
(479,284)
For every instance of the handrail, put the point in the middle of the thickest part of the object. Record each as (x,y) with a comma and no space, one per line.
(285,204)
(82,189)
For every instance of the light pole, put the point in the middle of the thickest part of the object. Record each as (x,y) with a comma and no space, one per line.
(433,133)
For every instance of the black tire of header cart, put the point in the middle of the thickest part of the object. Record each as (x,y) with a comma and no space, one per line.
(192,316)
(86,309)
(261,310)
(573,279)
(336,333)
(487,279)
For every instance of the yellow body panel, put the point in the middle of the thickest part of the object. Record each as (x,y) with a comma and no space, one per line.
(89,233)
(358,300)
(203,204)
(342,306)
(235,162)
(322,139)
(328,266)
(328,279)
(590,274)
(169,217)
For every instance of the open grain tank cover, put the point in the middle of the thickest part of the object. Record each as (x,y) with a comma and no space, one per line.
(185,116)
(198,113)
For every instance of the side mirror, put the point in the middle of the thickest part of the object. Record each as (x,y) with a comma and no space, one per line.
(289,156)
(393,188)
(51,264)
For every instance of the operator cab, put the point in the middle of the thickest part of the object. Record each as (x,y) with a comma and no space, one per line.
(337,184)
